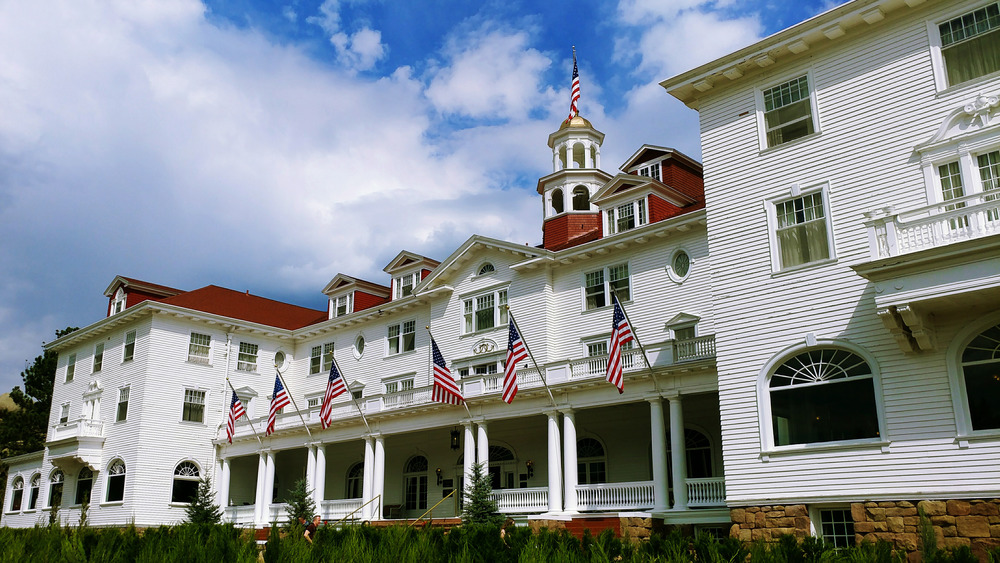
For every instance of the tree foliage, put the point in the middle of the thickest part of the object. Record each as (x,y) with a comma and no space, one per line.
(203,509)
(480,508)
(300,503)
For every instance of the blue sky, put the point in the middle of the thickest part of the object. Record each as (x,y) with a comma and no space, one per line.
(268,145)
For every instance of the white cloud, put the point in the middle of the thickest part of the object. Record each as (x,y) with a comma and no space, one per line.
(289,13)
(359,50)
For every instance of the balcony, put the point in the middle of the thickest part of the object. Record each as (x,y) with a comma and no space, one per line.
(934,260)
(77,442)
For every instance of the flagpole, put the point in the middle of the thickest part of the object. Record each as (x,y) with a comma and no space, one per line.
(541,374)
(635,336)
(364,419)
(246,414)
(290,396)
(431,367)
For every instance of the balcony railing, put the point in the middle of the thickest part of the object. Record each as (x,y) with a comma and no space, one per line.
(965,218)
(706,492)
(80,428)
(522,501)
(615,496)
(694,348)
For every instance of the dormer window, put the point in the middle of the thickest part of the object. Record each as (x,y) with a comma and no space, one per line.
(342,305)
(119,303)
(651,171)
(627,216)
(404,284)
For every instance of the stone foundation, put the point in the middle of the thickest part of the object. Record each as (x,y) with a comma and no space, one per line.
(768,523)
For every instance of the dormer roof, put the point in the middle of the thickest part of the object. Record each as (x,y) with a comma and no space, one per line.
(648,153)
(132,284)
(406,260)
(342,283)
(625,186)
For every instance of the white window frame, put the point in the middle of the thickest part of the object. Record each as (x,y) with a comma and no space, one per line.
(398,384)
(937,55)
(671,268)
(128,346)
(816,522)
(471,308)
(606,285)
(967,156)
(956,379)
(118,305)
(321,358)
(70,368)
(762,122)
(650,170)
(247,360)
(359,346)
(193,393)
(399,283)
(194,347)
(123,398)
(401,338)
(98,364)
(797,192)
(345,301)
(64,413)
(613,214)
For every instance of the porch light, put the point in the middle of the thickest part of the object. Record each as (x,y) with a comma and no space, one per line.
(438,472)
(454,439)
(530,464)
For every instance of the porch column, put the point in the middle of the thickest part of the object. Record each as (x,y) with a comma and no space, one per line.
(268,486)
(367,486)
(224,478)
(378,480)
(319,489)
(311,470)
(555,467)
(661,500)
(678,457)
(569,458)
(483,447)
(469,457)
(258,500)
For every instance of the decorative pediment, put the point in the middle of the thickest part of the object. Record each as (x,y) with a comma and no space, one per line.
(682,319)
(406,260)
(973,117)
(632,185)
(468,258)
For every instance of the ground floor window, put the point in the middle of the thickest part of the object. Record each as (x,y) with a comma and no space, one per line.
(415,484)
(186,476)
(980,365)
(591,462)
(116,481)
(502,465)
(36,482)
(17,492)
(355,480)
(56,488)
(84,485)
(837,526)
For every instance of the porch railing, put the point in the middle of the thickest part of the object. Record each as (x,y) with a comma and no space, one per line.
(615,496)
(240,515)
(891,233)
(339,508)
(522,501)
(277,513)
(706,492)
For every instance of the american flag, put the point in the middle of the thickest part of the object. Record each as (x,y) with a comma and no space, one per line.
(575,94)
(516,352)
(236,410)
(445,388)
(334,388)
(621,334)
(278,401)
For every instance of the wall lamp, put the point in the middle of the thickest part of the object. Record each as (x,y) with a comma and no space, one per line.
(454,439)
(438,472)
(530,464)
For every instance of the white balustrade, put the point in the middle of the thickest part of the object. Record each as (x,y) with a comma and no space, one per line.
(340,508)
(277,513)
(615,496)
(522,501)
(965,218)
(240,515)
(597,366)
(695,348)
(706,492)
(79,428)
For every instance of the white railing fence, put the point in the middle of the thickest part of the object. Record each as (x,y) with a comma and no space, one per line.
(240,515)
(695,348)
(965,218)
(337,509)
(522,501)
(706,492)
(79,428)
(615,496)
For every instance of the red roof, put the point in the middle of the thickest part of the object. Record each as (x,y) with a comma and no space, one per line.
(238,305)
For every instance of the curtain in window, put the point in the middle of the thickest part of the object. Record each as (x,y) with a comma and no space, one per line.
(803,243)
(972,58)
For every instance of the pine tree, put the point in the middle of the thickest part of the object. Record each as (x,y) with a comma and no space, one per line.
(203,509)
(300,503)
(480,508)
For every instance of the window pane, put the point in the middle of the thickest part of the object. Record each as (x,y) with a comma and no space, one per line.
(787,111)
(801,232)
(595,289)
(484,312)
(98,357)
(618,280)
(971,44)
(839,410)
(315,359)
(194,406)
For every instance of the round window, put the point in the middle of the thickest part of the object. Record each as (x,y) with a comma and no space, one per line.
(681,264)
(359,346)
(279,359)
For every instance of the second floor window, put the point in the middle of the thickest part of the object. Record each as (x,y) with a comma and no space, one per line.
(194,406)
(70,368)
(970,44)
(484,312)
(398,386)
(98,357)
(788,112)
(64,413)
(129,351)
(199,348)
(627,216)
(601,283)
(321,358)
(122,412)
(801,230)
(402,337)
(247,360)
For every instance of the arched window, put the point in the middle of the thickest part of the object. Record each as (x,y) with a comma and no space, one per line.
(16,493)
(355,480)
(591,462)
(502,465)
(56,488)
(822,395)
(36,481)
(84,485)
(415,483)
(698,452)
(186,477)
(116,481)
(557,201)
(980,368)
(581,199)
(486,268)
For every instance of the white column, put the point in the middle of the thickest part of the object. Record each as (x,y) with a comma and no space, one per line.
(367,486)
(555,159)
(224,477)
(469,457)
(569,458)
(483,447)
(678,458)
(555,467)
(319,489)
(588,161)
(258,501)
(597,160)
(379,477)
(268,486)
(658,431)
(311,469)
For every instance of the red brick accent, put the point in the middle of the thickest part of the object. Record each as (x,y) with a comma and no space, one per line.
(682,178)
(570,230)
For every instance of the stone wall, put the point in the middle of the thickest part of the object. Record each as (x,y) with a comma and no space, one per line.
(768,523)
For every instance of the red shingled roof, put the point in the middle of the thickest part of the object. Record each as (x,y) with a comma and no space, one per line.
(228,303)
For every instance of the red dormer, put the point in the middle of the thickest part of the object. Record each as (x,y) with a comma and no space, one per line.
(669,167)
(407,270)
(630,201)
(127,292)
(348,295)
